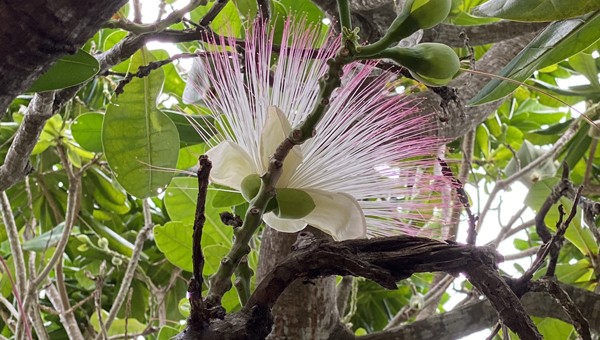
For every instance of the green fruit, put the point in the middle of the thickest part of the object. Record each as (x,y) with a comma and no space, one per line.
(431,63)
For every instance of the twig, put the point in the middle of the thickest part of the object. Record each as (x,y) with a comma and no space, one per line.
(495,331)
(131,266)
(141,29)
(213,12)
(67,319)
(465,167)
(243,275)
(13,312)
(14,241)
(16,163)
(137,12)
(525,253)
(343,291)
(99,282)
(502,234)
(521,227)
(503,184)
(199,314)
(461,194)
(144,70)
(562,298)
(128,310)
(264,7)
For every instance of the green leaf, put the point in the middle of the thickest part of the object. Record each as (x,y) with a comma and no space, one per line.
(68,71)
(187,125)
(180,202)
(579,236)
(527,154)
(225,198)
(108,194)
(46,240)
(536,10)
(174,239)
(49,135)
(585,64)
(558,41)
(294,203)
(553,328)
(140,142)
(119,326)
(188,156)
(87,131)
(167,333)
(180,199)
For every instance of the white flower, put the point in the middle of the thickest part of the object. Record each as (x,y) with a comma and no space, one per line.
(256,100)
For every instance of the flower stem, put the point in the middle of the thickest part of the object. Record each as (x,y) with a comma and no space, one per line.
(344,12)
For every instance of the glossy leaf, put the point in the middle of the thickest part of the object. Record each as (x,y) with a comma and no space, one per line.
(119,326)
(536,10)
(87,131)
(140,142)
(68,71)
(47,240)
(578,235)
(180,202)
(174,239)
(558,41)
(187,125)
(585,64)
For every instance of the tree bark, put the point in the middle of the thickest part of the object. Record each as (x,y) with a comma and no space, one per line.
(36,33)
(306,310)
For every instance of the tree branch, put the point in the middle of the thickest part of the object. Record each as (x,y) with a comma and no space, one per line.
(480,34)
(36,33)
(131,267)
(16,163)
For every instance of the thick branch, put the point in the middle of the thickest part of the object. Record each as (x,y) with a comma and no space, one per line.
(480,34)
(16,164)
(36,33)
(459,119)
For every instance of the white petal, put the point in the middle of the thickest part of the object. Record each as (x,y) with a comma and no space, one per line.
(283,225)
(197,84)
(337,214)
(230,164)
(276,129)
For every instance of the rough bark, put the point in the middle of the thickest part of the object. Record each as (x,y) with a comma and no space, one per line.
(458,119)
(305,310)
(36,33)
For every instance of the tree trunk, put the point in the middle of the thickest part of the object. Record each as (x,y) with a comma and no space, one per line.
(35,33)
(305,311)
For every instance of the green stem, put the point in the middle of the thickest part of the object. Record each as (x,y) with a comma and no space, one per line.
(243,275)
(344,12)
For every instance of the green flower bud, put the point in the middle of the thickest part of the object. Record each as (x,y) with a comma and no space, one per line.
(431,63)
(250,187)
(419,14)
(293,203)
